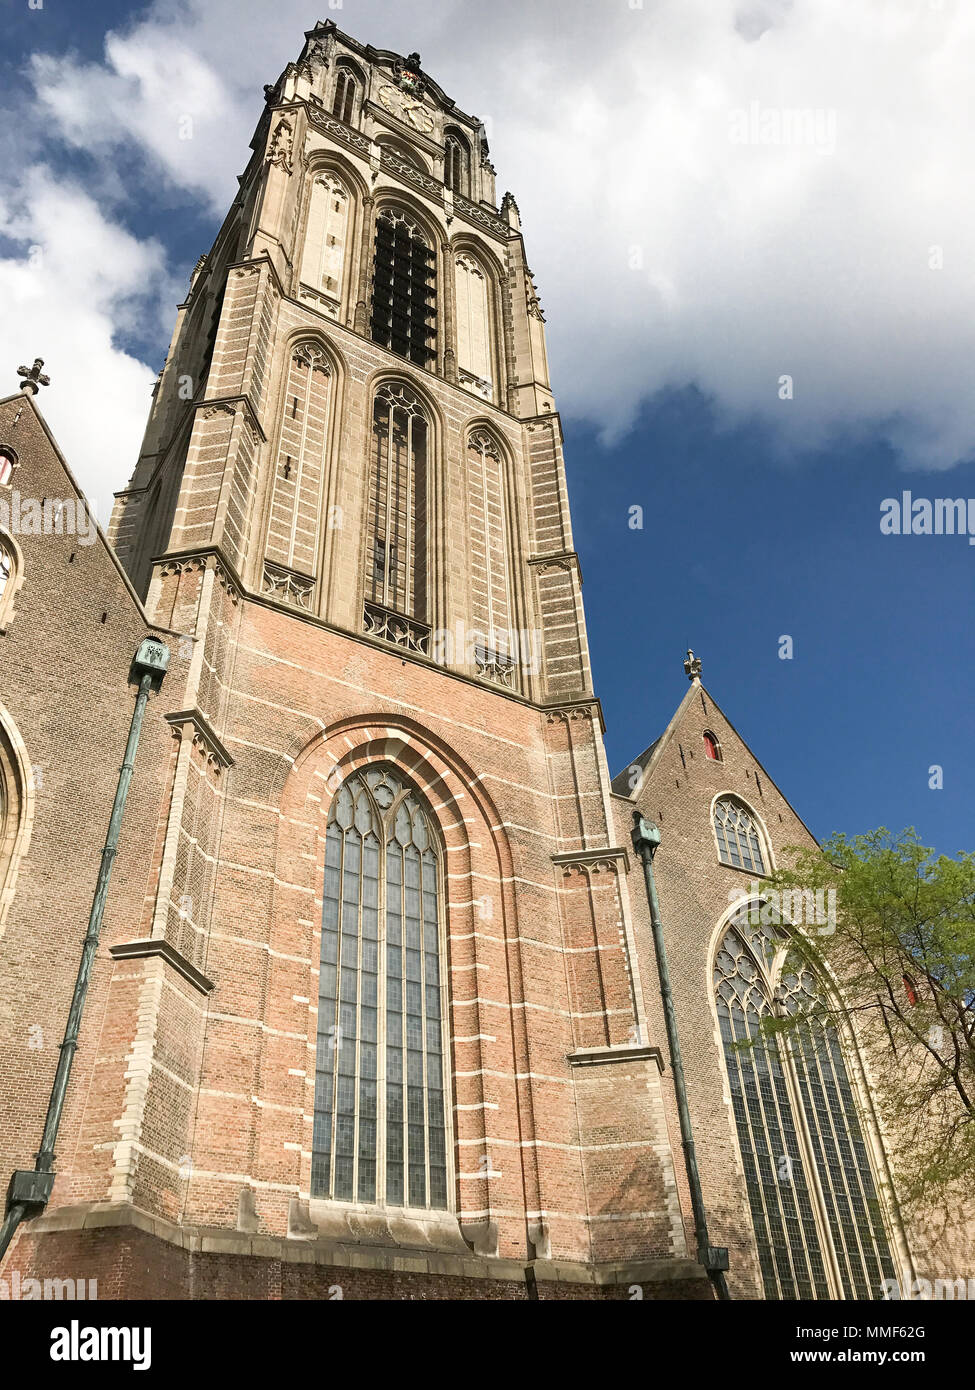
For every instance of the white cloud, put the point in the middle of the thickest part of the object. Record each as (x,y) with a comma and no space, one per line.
(73,282)
(683,224)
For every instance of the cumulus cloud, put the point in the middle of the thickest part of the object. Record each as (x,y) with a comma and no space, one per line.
(71,283)
(713,192)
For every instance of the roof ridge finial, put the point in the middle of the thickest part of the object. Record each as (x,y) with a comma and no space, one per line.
(692,668)
(34,378)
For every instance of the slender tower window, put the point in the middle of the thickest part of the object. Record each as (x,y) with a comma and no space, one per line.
(473,316)
(490,578)
(403,296)
(326,238)
(455,164)
(294,528)
(380,1115)
(346,89)
(795,1114)
(396,524)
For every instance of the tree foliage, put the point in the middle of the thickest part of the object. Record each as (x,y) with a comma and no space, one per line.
(901,952)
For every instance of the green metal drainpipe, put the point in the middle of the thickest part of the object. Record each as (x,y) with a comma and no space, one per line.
(646,841)
(30,1189)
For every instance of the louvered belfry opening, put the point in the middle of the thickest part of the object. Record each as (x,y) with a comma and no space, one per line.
(404,311)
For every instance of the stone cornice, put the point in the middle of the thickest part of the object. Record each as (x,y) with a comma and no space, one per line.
(230,406)
(558,560)
(623,1052)
(223,1241)
(354,140)
(593,858)
(203,734)
(157,946)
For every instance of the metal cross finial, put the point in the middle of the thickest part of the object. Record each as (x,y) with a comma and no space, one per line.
(34,378)
(692,667)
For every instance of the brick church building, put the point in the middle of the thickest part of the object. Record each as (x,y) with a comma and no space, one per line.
(371,1004)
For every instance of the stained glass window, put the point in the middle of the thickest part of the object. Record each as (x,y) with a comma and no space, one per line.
(380,1112)
(739,843)
(815,1209)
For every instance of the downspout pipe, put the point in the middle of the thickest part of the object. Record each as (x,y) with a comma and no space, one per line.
(646,841)
(30,1189)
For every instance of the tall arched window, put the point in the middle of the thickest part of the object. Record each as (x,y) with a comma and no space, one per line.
(326,238)
(293,529)
(404,287)
(815,1210)
(346,94)
(491,616)
(739,841)
(380,1131)
(712,748)
(456,163)
(396,523)
(473,316)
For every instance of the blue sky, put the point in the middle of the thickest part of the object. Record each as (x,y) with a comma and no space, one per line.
(682,273)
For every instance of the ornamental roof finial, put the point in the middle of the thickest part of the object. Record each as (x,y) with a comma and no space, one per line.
(692,667)
(34,378)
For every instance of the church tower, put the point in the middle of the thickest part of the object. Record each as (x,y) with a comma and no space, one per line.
(378,1021)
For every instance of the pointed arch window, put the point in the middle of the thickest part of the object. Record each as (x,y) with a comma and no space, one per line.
(404,288)
(814,1203)
(294,525)
(739,840)
(346,95)
(380,1125)
(396,524)
(491,605)
(323,258)
(473,317)
(712,748)
(456,164)
(8,462)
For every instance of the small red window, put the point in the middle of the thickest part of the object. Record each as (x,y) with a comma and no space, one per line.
(712,748)
(6,467)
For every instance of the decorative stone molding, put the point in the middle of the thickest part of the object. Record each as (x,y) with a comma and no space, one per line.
(531,298)
(226,580)
(477,385)
(331,126)
(567,713)
(564,560)
(191,564)
(396,628)
(494,666)
(192,723)
(471,212)
(279,149)
(596,860)
(482,1237)
(288,586)
(230,405)
(209,412)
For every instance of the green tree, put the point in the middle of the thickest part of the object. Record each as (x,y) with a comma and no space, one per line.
(902,951)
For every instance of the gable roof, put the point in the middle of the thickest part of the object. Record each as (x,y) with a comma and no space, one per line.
(26,398)
(649,758)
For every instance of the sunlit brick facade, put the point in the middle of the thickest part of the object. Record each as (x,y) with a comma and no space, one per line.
(301,1069)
